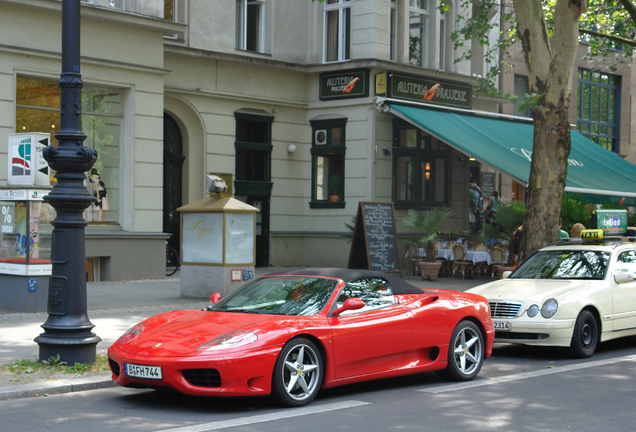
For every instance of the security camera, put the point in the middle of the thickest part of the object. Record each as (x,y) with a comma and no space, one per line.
(215,184)
(386,151)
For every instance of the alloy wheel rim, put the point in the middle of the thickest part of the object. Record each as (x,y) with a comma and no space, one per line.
(468,351)
(301,372)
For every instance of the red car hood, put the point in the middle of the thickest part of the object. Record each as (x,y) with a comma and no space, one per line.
(183,335)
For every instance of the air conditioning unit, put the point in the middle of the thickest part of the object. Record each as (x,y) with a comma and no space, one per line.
(320,136)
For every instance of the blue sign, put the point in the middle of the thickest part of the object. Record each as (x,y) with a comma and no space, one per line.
(32,284)
(248,274)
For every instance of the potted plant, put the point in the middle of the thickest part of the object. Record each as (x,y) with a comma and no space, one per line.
(506,220)
(335,187)
(430,223)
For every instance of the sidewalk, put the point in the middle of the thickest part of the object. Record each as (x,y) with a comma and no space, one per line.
(114,307)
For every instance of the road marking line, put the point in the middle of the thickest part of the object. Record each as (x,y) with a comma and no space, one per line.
(278,415)
(526,375)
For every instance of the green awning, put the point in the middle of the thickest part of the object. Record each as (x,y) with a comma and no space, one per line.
(506,144)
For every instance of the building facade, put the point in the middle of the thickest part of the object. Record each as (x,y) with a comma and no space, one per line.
(278,97)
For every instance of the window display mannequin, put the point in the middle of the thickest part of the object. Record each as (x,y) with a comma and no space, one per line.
(98,190)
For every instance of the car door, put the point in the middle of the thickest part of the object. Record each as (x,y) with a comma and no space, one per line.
(374,338)
(624,294)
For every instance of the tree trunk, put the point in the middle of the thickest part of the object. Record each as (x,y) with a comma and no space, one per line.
(550,63)
(547,181)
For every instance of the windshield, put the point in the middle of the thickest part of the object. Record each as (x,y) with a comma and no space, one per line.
(564,264)
(280,295)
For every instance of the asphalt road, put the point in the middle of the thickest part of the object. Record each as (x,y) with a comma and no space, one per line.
(518,389)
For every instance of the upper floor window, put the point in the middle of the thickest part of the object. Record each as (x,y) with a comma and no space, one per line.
(250,25)
(442,40)
(337,28)
(598,107)
(418,32)
(521,88)
(394,30)
(421,168)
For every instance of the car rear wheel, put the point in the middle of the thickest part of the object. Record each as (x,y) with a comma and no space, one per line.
(297,374)
(465,353)
(585,336)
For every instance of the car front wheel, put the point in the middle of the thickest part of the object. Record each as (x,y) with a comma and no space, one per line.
(585,337)
(465,353)
(297,374)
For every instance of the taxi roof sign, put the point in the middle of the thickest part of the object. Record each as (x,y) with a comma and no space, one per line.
(592,234)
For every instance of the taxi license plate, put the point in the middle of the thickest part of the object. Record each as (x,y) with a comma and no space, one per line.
(145,372)
(501,325)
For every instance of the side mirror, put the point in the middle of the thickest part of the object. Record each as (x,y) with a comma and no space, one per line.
(505,274)
(623,277)
(351,303)
(214,298)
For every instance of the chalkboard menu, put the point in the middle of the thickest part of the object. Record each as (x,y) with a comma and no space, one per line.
(487,184)
(374,245)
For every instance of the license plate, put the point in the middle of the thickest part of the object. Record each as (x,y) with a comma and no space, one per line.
(501,325)
(145,372)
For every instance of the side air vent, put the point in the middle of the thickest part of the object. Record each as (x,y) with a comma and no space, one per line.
(203,377)
(114,366)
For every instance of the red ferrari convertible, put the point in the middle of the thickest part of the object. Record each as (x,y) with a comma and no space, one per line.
(289,335)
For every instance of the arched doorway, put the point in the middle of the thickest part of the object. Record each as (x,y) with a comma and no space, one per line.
(172,178)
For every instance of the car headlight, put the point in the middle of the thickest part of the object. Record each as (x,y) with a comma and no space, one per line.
(230,340)
(533,311)
(131,334)
(549,308)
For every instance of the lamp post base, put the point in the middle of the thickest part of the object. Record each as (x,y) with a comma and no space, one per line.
(70,349)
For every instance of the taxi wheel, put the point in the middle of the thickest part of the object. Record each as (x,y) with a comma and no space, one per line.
(585,337)
(465,353)
(297,376)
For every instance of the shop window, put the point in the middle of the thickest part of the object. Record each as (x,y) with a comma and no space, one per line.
(250,25)
(328,163)
(517,191)
(421,168)
(598,107)
(337,29)
(38,110)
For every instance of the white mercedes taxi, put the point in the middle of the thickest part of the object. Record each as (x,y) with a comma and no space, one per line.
(571,294)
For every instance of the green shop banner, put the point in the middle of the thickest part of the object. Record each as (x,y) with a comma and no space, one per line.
(344,85)
(435,92)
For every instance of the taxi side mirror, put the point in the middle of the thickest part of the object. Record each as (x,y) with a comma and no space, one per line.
(351,303)
(623,277)
(505,274)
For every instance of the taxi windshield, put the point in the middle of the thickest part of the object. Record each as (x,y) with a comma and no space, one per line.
(564,264)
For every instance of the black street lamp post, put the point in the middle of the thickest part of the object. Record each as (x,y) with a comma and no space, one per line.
(67,330)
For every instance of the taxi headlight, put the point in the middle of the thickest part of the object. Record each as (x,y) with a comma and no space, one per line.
(533,311)
(549,308)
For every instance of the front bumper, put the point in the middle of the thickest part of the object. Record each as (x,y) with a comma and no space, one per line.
(241,373)
(537,331)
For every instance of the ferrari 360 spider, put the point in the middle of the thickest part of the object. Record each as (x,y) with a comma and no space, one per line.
(290,334)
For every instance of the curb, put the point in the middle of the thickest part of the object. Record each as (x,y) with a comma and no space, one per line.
(48,388)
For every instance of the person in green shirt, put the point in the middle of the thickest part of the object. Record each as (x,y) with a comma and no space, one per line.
(562,233)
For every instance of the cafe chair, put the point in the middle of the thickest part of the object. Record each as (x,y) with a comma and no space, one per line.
(498,256)
(459,261)
(412,257)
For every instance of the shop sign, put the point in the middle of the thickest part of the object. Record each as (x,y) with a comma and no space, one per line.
(344,85)
(435,92)
(610,221)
